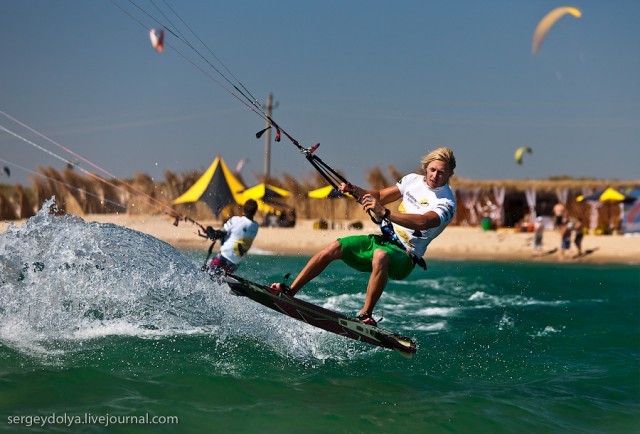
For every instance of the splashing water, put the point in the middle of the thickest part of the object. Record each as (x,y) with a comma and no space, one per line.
(65,279)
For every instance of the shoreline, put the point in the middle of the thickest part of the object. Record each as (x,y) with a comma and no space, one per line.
(455,243)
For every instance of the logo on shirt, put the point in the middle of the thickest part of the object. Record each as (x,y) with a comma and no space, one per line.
(242,246)
(413,200)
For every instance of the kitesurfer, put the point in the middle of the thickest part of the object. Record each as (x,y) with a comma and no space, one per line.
(428,206)
(237,235)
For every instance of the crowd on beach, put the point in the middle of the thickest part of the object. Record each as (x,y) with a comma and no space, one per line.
(570,229)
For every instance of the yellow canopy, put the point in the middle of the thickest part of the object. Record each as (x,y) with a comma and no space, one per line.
(266,195)
(608,195)
(320,193)
(328,192)
(263,191)
(325,192)
(611,195)
(217,187)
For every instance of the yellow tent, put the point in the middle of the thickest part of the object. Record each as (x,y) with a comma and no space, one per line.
(325,192)
(217,187)
(328,192)
(266,195)
(609,195)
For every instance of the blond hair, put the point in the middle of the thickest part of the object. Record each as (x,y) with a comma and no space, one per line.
(443,154)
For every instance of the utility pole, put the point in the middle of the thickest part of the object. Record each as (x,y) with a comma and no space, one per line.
(267,142)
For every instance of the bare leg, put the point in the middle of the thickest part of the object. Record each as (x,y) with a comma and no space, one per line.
(377,280)
(316,265)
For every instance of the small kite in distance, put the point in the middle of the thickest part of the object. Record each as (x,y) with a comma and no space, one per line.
(157,39)
(520,152)
(7,171)
(548,22)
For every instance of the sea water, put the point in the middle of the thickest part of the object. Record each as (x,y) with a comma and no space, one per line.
(104,329)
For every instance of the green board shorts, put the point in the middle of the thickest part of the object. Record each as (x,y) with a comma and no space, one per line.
(357,252)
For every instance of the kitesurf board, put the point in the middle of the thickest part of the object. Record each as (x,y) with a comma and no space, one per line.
(320,317)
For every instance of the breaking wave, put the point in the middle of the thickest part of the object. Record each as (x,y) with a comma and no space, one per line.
(68,280)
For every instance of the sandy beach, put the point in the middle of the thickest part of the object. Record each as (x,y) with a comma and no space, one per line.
(466,243)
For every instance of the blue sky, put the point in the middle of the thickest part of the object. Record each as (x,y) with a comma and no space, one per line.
(375,82)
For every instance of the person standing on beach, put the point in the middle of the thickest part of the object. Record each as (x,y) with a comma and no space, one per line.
(577,238)
(565,239)
(428,206)
(538,231)
(237,235)
(560,214)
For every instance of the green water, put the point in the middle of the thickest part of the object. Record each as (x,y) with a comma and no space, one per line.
(503,347)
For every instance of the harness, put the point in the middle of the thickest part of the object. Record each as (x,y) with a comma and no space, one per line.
(390,236)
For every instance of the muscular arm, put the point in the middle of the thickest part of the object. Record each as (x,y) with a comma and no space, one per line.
(416,221)
(384,196)
(390,194)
